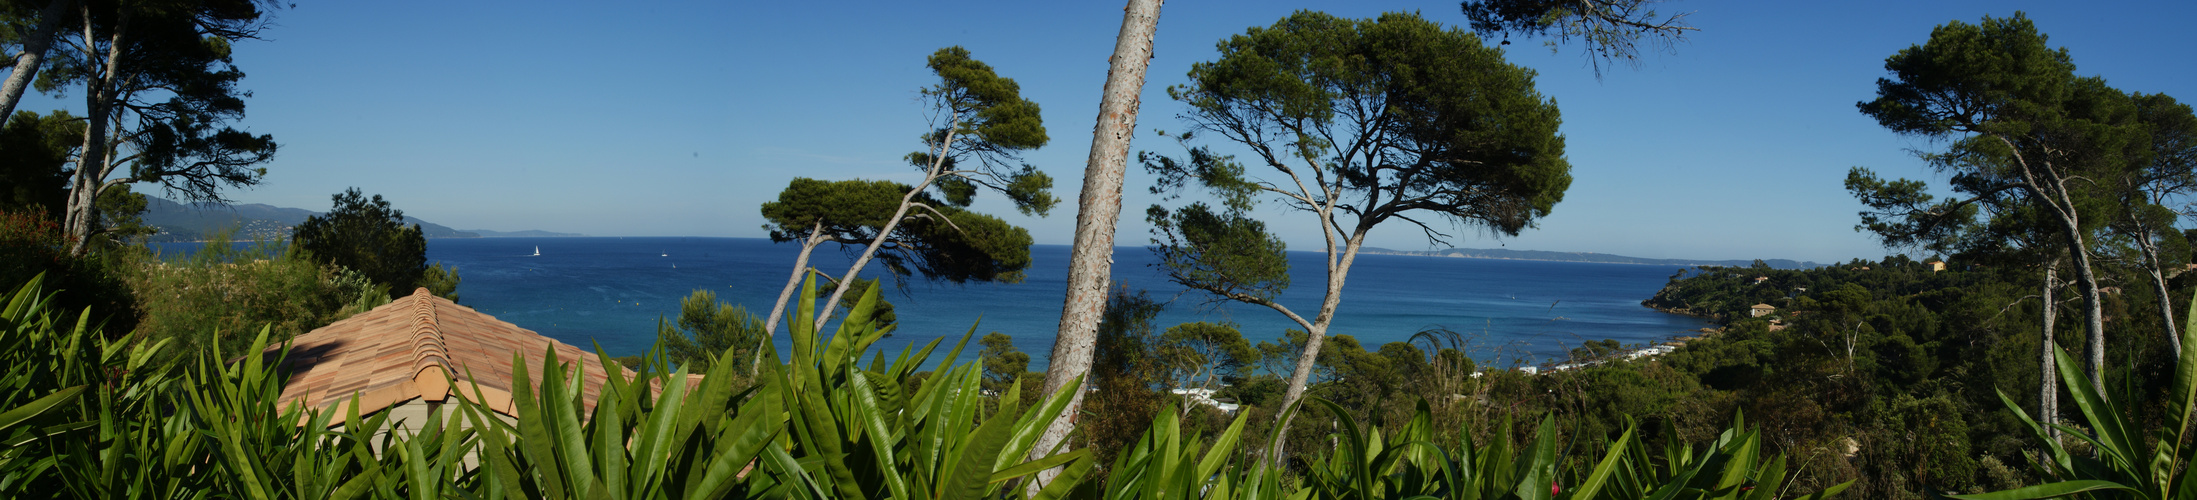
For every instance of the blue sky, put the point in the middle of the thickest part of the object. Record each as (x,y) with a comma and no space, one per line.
(679,119)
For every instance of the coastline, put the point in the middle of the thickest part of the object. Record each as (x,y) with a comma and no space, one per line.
(1580,257)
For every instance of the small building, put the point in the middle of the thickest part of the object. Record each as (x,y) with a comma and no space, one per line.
(1935,265)
(404,356)
(1760,310)
(1761,279)
(1205,397)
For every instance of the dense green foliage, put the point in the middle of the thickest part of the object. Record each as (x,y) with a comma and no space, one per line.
(1203,354)
(1881,374)
(2128,460)
(1003,363)
(217,297)
(707,328)
(1353,124)
(369,237)
(1884,372)
(1612,29)
(944,243)
(142,378)
(87,418)
(33,170)
(1416,120)
(32,244)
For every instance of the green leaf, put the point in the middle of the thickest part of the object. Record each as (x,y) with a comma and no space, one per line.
(2051,490)
(14,417)
(1602,471)
(1033,466)
(2113,440)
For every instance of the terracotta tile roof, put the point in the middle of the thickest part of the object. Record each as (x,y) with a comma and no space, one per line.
(403,349)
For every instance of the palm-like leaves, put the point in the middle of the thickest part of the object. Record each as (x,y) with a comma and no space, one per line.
(823,424)
(859,432)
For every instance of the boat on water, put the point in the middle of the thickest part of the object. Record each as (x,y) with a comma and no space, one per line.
(537,251)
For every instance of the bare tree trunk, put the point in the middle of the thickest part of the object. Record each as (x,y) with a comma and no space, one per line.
(1338,269)
(2048,383)
(800,267)
(778,311)
(1091,262)
(91,164)
(2036,177)
(2086,282)
(32,57)
(2158,287)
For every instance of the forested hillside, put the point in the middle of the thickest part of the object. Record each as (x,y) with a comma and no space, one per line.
(1884,372)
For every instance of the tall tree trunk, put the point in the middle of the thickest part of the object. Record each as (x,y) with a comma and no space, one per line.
(32,57)
(2152,268)
(92,165)
(2048,383)
(778,311)
(2086,282)
(1338,269)
(2048,186)
(1091,262)
(800,267)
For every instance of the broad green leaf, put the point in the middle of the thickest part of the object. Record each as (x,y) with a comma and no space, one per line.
(2050,490)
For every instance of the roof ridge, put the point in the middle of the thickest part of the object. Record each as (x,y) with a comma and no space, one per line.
(429,348)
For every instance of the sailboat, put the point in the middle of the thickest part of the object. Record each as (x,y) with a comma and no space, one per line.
(663,254)
(537,251)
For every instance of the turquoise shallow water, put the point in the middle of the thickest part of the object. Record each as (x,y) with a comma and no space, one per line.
(611,291)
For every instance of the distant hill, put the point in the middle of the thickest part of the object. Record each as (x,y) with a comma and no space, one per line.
(1504,253)
(530,233)
(181,222)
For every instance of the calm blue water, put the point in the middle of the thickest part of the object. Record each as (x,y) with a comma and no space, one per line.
(612,290)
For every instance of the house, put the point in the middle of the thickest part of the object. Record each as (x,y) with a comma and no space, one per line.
(1935,265)
(403,357)
(1205,397)
(1760,279)
(1760,310)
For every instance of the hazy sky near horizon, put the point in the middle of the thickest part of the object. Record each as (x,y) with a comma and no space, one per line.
(681,118)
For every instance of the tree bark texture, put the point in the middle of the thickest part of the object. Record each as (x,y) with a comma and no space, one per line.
(2093,316)
(777,312)
(2047,185)
(2152,268)
(32,57)
(1091,261)
(92,165)
(800,267)
(2048,383)
(1338,269)
(2086,282)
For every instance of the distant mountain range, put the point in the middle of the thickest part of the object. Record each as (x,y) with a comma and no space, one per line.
(193,222)
(1504,253)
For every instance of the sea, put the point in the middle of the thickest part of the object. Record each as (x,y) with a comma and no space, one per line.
(611,293)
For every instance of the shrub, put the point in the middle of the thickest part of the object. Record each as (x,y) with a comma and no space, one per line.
(215,298)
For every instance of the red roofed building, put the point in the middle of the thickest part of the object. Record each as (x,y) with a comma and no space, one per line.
(401,357)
